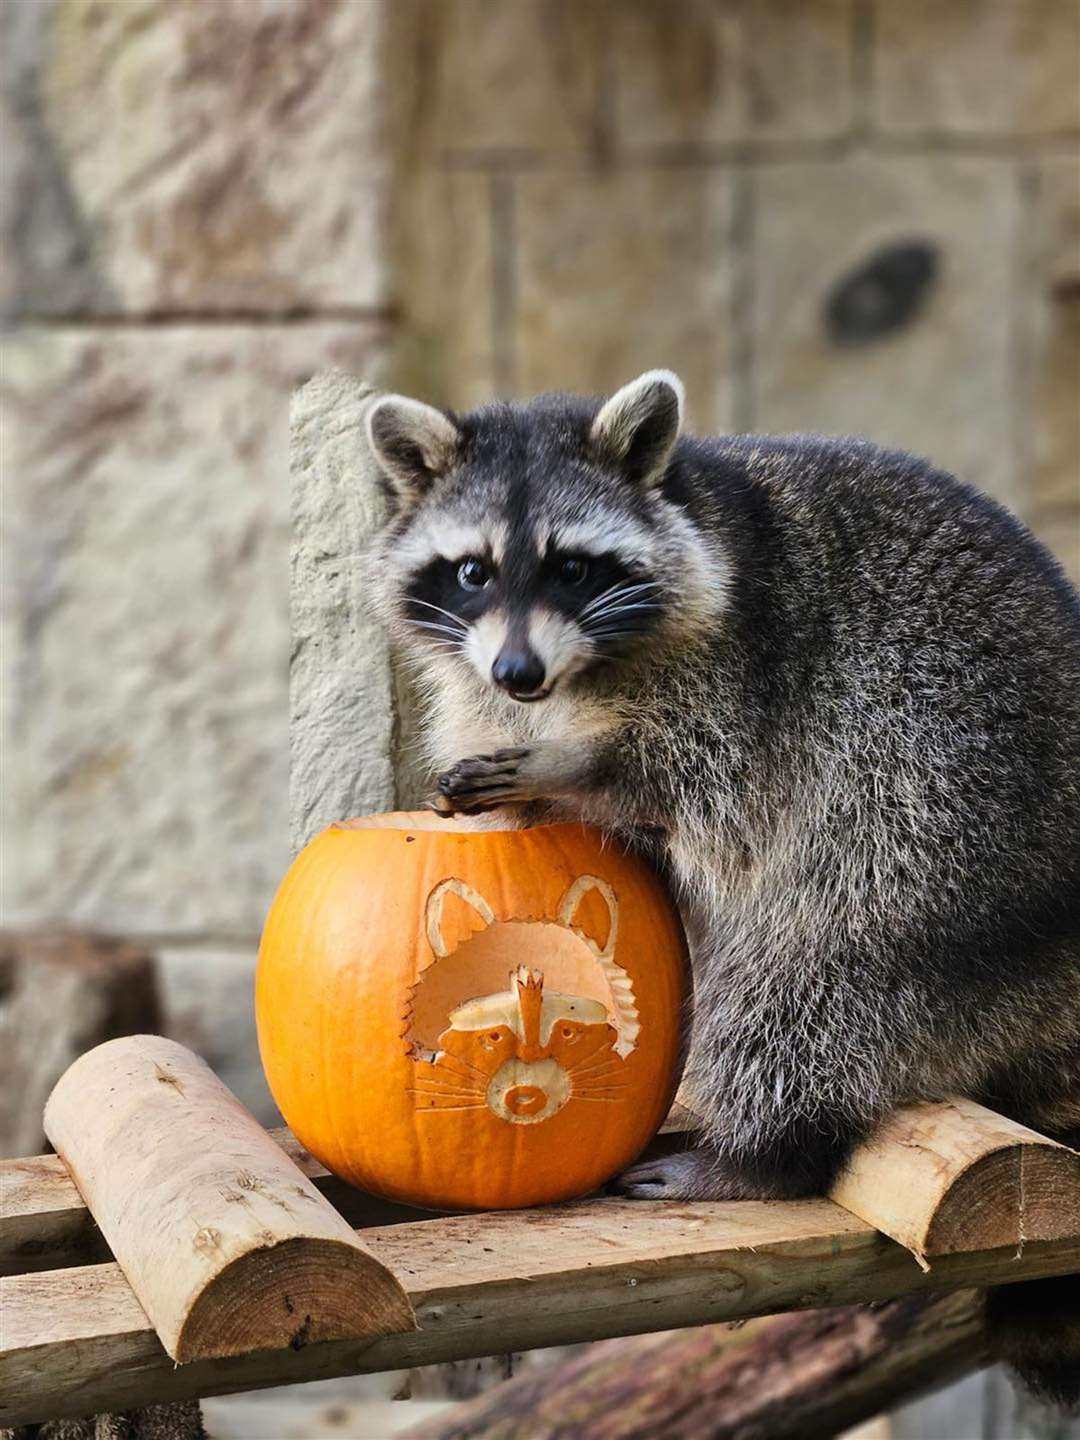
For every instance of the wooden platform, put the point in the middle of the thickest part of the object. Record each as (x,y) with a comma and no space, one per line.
(74,1339)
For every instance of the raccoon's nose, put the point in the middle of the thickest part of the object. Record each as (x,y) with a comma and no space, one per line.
(519,671)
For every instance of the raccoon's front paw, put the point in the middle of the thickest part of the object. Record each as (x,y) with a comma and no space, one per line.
(483,782)
(692,1175)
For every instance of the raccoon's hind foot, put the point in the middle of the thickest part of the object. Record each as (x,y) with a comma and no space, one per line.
(692,1175)
(483,782)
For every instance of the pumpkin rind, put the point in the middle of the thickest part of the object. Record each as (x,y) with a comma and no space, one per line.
(378,1048)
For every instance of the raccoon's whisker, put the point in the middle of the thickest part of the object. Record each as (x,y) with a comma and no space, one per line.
(623,587)
(621,606)
(439,611)
(614,598)
(436,628)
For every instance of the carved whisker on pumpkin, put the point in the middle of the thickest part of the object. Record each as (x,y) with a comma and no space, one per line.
(449,1060)
(448,1094)
(440,1088)
(453,1105)
(605,1066)
(586,1090)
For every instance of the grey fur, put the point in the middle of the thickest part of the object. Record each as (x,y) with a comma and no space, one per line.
(851,732)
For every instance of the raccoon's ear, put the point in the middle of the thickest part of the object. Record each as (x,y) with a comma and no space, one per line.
(413,443)
(637,427)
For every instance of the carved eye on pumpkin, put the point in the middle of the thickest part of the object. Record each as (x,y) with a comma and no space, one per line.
(494,1038)
(570,1033)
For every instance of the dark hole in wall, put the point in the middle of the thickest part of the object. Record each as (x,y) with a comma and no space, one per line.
(883,294)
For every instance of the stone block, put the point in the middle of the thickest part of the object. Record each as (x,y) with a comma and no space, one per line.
(202,155)
(446,280)
(505,77)
(146,618)
(977,67)
(207,997)
(621,272)
(1052,307)
(343,714)
(702,73)
(942,384)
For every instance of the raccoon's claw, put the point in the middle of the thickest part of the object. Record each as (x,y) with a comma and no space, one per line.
(692,1175)
(481,782)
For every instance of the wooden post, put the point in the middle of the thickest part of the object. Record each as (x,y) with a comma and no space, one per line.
(798,1375)
(949,1177)
(226,1243)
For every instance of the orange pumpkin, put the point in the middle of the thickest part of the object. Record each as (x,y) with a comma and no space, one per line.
(464,1018)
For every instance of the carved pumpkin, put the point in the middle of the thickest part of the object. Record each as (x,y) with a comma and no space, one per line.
(464,1018)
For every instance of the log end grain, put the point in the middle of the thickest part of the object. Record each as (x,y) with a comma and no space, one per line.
(1024,1192)
(293,1293)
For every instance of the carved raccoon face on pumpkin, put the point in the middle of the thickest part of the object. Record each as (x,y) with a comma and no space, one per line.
(525,1052)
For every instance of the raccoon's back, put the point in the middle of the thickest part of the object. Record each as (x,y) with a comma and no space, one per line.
(908,656)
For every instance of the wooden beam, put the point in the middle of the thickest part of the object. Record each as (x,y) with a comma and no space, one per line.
(798,1375)
(225,1242)
(45,1225)
(954,1176)
(77,1341)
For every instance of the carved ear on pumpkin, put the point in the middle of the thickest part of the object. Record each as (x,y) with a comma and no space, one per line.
(433,912)
(414,444)
(573,910)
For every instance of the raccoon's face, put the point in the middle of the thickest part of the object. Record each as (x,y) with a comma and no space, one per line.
(531,543)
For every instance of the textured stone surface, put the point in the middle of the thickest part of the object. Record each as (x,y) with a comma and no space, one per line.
(505,76)
(199,155)
(146,526)
(621,272)
(342,717)
(446,286)
(207,995)
(941,385)
(1052,502)
(761,69)
(977,67)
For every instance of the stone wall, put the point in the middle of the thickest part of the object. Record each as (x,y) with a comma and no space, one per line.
(209,200)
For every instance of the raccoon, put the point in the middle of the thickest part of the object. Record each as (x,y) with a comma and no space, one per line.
(834,691)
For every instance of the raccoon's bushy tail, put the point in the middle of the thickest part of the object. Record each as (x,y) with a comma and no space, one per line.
(1035,1329)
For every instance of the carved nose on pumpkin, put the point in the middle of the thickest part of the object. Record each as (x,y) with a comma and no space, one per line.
(525,1099)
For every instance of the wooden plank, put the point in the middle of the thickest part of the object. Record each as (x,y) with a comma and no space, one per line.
(955,1176)
(45,1225)
(76,1341)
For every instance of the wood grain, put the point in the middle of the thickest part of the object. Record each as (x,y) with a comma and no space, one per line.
(45,1225)
(225,1242)
(76,1340)
(790,1377)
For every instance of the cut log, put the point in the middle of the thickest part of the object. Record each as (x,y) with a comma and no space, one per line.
(62,992)
(799,1375)
(950,1177)
(226,1243)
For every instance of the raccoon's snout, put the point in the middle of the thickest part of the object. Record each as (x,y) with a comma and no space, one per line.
(520,672)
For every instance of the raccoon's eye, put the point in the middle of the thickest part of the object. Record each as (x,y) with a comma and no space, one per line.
(573,570)
(473,574)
